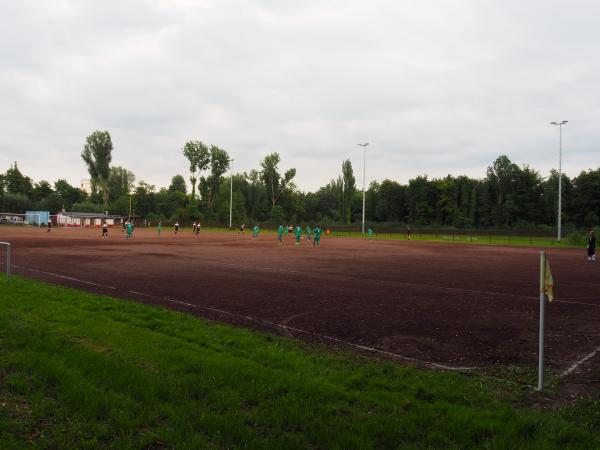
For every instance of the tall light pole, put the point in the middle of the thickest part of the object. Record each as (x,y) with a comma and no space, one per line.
(231,192)
(364,146)
(559,124)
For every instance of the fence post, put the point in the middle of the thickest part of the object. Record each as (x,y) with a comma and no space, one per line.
(7,245)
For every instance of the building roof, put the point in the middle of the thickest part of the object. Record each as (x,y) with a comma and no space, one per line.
(88,215)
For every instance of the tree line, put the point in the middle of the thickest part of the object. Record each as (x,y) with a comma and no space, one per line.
(507,196)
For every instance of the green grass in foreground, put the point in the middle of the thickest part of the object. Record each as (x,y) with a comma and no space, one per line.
(84,371)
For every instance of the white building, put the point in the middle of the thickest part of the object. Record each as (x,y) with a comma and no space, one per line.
(86,186)
(81,219)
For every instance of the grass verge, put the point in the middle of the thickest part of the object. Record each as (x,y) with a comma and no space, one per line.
(446,237)
(79,370)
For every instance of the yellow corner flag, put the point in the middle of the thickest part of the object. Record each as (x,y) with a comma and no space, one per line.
(548,282)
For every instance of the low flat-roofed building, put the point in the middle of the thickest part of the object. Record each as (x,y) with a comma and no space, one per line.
(85,219)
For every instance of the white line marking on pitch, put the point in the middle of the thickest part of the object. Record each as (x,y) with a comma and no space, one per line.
(404,283)
(596,305)
(575,365)
(64,277)
(265,322)
(567,372)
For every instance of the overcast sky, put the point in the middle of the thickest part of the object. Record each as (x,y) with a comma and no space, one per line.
(436,87)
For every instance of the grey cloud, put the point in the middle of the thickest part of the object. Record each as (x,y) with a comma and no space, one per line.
(437,87)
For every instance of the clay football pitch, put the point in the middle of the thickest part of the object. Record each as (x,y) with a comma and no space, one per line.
(452,306)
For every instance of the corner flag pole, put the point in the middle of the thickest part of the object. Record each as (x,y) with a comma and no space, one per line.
(542,314)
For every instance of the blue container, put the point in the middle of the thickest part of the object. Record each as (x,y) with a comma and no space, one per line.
(37,218)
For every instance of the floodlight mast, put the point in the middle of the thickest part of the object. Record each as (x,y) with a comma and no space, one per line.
(231,193)
(559,125)
(364,146)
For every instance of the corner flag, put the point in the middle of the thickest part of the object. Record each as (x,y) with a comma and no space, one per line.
(548,282)
(546,289)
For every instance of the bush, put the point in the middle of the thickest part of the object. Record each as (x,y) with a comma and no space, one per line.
(16,203)
(87,206)
(577,238)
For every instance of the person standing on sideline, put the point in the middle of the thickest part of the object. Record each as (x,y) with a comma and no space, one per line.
(591,246)
(198,225)
(317,236)
(308,231)
(370,233)
(194,228)
(49,225)
(242,229)
(298,233)
(280,234)
(176,226)
(104,230)
(159,227)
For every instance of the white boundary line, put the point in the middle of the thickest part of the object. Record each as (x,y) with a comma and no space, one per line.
(265,322)
(408,283)
(64,277)
(565,373)
(576,364)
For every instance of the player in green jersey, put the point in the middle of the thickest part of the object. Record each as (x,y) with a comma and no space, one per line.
(280,234)
(129,228)
(317,235)
(308,231)
(298,234)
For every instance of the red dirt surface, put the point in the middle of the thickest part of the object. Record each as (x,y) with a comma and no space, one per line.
(449,304)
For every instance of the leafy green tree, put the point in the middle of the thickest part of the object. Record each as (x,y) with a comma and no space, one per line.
(97,154)
(198,155)
(16,182)
(88,206)
(120,182)
(349,189)
(144,199)
(390,205)
(41,190)
(52,203)
(238,204)
(256,195)
(274,182)
(422,196)
(68,193)
(501,178)
(219,163)
(586,196)
(178,184)
(15,202)
(169,201)
(120,206)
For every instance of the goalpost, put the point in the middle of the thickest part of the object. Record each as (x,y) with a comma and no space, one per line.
(32,219)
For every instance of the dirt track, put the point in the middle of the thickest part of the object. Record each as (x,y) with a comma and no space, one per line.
(454,305)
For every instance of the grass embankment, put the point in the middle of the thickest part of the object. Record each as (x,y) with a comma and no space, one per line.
(80,370)
(442,236)
(487,239)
